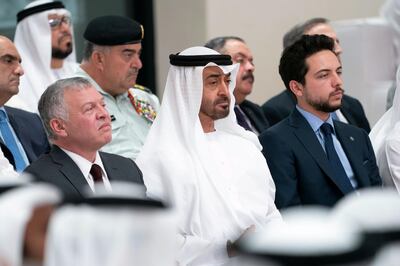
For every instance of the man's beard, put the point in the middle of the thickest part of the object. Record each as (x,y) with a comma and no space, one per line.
(211,111)
(323,106)
(60,54)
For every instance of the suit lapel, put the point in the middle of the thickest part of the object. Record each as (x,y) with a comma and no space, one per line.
(252,117)
(307,137)
(69,169)
(25,145)
(345,109)
(114,172)
(350,144)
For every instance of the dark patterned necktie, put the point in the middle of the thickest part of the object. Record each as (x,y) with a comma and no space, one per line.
(241,120)
(95,171)
(334,160)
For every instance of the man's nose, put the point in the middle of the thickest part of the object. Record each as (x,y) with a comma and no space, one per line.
(102,113)
(224,89)
(249,66)
(19,70)
(337,80)
(137,63)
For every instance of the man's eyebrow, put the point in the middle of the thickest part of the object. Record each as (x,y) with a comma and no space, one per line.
(323,70)
(328,70)
(130,50)
(240,54)
(214,76)
(10,56)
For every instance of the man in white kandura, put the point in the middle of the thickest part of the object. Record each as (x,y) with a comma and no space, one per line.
(200,159)
(385,139)
(44,38)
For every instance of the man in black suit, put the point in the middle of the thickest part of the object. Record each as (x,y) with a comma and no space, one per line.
(248,114)
(280,106)
(22,135)
(77,123)
(314,159)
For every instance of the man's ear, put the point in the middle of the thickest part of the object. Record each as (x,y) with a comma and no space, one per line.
(58,127)
(98,59)
(296,87)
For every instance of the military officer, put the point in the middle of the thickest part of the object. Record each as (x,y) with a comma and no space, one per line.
(112,62)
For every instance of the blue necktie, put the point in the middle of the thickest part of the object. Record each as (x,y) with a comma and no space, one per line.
(10,142)
(333,158)
(241,120)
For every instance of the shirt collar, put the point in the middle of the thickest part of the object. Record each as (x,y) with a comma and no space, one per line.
(5,112)
(83,164)
(314,121)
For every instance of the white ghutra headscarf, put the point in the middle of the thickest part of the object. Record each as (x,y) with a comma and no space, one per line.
(178,166)
(16,208)
(110,229)
(33,42)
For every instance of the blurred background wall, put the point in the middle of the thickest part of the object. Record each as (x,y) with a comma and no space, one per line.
(173,25)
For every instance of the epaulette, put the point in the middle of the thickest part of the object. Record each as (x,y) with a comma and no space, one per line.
(142,88)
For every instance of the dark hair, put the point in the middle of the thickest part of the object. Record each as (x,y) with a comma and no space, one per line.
(295,33)
(88,50)
(218,43)
(293,65)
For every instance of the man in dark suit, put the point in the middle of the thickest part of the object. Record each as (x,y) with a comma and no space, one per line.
(314,159)
(280,106)
(77,123)
(248,114)
(22,135)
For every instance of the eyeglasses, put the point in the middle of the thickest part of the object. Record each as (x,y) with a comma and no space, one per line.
(56,22)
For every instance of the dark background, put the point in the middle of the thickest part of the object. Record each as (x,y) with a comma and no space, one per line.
(83,11)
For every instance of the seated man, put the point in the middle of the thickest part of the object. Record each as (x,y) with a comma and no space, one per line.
(279,107)
(78,125)
(198,157)
(248,114)
(314,159)
(45,38)
(385,138)
(112,62)
(23,138)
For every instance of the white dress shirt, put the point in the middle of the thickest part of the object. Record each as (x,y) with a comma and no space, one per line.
(85,166)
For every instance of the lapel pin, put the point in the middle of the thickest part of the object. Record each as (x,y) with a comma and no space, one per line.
(351,138)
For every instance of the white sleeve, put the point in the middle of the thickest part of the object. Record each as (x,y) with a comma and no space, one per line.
(392,150)
(273,214)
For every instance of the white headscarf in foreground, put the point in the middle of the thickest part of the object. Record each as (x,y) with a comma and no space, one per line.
(385,138)
(177,165)
(109,230)
(33,42)
(16,208)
